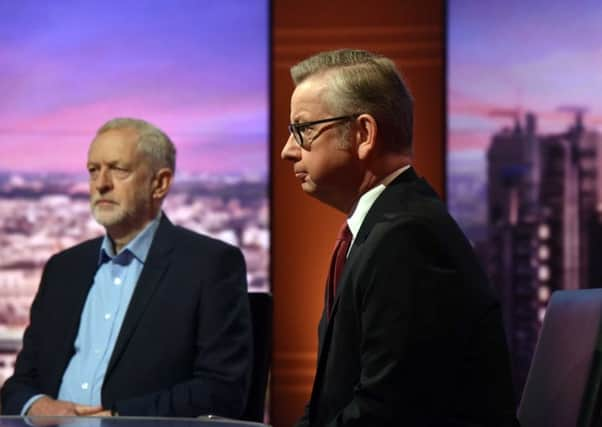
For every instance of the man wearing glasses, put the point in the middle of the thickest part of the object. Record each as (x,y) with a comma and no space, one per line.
(411,333)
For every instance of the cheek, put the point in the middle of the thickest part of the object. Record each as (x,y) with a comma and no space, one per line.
(335,168)
(124,193)
(133,188)
(140,192)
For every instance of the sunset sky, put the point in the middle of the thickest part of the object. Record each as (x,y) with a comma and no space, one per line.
(520,55)
(196,69)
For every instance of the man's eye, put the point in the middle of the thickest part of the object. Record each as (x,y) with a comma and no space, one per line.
(120,172)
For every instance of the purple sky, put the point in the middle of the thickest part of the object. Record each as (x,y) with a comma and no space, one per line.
(527,55)
(196,69)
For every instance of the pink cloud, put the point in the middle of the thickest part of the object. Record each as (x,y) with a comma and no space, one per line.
(207,138)
(468,140)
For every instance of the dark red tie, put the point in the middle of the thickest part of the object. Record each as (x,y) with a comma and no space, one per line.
(339,256)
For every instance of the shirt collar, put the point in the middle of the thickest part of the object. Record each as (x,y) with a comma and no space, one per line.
(367,200)
(137,247)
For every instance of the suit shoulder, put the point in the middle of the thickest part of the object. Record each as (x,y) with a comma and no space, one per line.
(189,238)
(415,217)
(424,209)
(83,249)
(428,225)
(423,214)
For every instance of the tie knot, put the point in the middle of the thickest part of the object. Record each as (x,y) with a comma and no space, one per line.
(345,233)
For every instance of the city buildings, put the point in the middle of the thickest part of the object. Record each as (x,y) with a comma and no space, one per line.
(543,223)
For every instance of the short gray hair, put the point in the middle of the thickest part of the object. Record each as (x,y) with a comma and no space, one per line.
(151,140)
(364,82)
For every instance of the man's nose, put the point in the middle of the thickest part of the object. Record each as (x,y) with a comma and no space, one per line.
(291,150)
(103,181)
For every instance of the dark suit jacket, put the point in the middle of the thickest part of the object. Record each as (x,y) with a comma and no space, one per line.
(416,336)
(184,348)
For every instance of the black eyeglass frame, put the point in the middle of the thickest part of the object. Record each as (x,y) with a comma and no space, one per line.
(296,129)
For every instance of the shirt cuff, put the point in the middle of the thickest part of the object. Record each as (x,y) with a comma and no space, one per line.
(30,402)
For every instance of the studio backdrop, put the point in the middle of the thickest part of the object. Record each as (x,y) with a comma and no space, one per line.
(524,164)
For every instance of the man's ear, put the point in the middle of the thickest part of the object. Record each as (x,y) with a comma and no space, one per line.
(366,132)
(161,183)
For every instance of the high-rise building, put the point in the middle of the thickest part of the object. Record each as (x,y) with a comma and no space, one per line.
(544,217)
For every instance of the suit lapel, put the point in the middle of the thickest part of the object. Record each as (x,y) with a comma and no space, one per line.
(390,202)
(386,205)
(154,269)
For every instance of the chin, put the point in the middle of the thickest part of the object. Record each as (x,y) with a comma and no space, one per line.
(108,219)
(308,187)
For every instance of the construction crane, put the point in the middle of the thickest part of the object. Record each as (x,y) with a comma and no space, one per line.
(578,112)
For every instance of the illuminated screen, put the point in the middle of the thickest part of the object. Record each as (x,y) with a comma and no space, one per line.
(525,150)
(196,69)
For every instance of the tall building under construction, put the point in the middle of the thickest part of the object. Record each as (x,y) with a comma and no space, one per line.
(544,223)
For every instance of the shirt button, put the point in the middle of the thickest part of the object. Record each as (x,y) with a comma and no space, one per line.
(117,281)
(85,386)
(107,316)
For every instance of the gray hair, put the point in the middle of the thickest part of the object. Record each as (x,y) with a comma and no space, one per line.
(151,140)
(364,82)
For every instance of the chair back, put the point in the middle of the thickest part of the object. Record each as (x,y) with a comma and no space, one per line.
(261,316)
(562,387)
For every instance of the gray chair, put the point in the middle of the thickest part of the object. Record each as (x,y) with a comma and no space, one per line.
(563,385)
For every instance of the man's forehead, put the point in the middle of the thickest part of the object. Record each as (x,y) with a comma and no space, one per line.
(314,86)
(308,97)
(118,142)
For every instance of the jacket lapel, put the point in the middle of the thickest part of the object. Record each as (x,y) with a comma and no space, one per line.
(154,269)
(387,204)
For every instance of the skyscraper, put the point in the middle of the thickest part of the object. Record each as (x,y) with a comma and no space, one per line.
(544,209)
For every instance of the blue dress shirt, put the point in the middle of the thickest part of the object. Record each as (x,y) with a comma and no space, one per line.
(102,317)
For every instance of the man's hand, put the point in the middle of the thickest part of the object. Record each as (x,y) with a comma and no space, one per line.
(47,406)
(91,411)
(103,413)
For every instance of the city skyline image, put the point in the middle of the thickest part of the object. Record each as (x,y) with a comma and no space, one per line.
(507,58)
(524,151)
(69,67)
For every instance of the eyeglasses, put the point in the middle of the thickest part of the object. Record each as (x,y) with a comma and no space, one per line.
(297,129)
